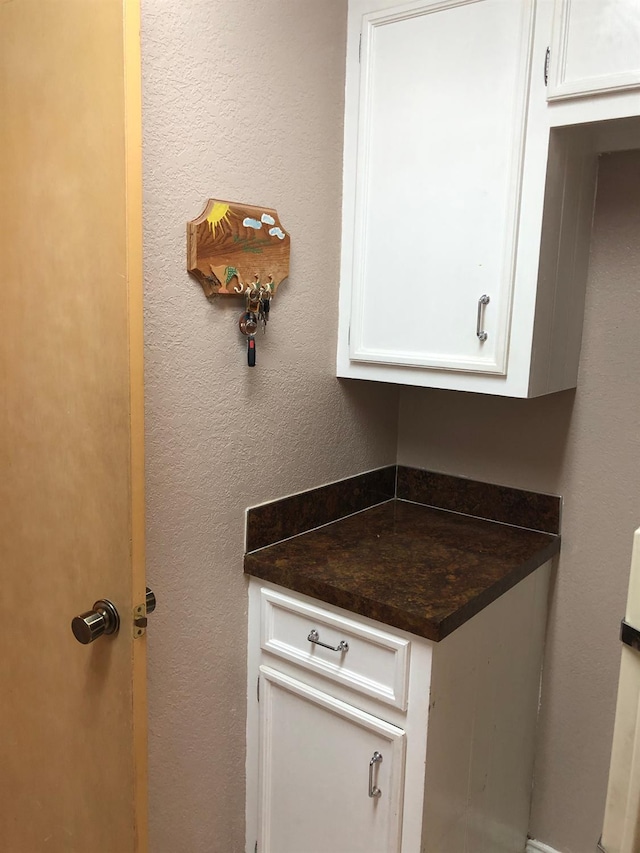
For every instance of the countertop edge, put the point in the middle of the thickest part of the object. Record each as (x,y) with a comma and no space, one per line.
(255,565)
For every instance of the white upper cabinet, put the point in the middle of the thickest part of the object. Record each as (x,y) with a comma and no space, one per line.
(595,47)
(443,93)
(468,191)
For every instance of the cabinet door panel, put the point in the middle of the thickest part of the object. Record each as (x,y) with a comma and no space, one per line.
(314,773)
(595,47)
(443,95)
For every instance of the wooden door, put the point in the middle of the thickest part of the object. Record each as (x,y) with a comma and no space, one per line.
(314,773)
(72,717)
(434,180)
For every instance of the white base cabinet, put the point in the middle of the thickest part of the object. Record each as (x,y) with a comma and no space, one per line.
(395,744)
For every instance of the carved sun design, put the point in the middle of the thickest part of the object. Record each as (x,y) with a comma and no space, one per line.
(219,213)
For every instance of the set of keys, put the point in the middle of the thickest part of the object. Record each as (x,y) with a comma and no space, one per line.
(258,298)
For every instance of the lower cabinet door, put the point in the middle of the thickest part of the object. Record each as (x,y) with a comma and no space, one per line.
(331,775)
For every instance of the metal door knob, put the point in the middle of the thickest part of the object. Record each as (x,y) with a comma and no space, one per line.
(103,619)
(150,601)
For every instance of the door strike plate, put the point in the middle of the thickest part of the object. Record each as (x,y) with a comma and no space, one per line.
(139,620)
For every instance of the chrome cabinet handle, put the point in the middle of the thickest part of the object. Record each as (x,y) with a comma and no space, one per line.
(482,335)
(374,791)
(314,637)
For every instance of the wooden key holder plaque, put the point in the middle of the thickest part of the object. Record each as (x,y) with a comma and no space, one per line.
(230,246)
(240,250)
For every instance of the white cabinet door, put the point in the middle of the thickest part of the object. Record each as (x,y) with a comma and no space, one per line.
(432,191)
(595,47)
(315,759)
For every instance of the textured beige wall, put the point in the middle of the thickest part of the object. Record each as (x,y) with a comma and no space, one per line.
(584,445)
(242,100)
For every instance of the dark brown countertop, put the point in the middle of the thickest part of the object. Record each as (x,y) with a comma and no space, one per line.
(413,567)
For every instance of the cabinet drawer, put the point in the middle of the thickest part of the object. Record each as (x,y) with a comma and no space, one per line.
(375,663)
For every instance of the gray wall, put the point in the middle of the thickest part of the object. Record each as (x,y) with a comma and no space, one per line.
(243,100)
(584,445)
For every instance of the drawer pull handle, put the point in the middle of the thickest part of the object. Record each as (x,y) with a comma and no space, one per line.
(481,334)
(374,791)
(314,637)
